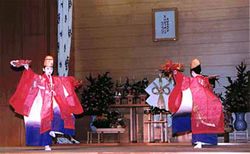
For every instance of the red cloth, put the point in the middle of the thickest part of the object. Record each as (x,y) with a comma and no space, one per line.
(207,115)
(175,98)
(27,91)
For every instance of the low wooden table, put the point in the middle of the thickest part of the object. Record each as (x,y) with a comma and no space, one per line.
(101,131)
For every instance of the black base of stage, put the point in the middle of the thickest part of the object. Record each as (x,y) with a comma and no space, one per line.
(120,148)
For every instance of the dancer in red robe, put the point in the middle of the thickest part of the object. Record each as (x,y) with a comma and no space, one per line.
(205,117)
(47,103)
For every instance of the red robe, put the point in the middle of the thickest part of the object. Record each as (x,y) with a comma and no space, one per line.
(28,88)
(206,115)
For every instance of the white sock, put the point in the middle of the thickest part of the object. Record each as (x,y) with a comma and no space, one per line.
(198,145)
(47,148)
(53,133)
(74,140)
(58,132)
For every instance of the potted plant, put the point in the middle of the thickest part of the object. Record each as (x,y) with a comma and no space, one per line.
(237,96)
(97,96)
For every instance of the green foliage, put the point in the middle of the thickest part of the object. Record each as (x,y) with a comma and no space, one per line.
(134,88)
(237,92)
(98,95)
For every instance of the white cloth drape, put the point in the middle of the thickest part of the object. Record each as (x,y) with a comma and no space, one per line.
(64,35)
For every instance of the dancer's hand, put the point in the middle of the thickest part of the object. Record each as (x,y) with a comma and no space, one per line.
(213,76)
(26,66)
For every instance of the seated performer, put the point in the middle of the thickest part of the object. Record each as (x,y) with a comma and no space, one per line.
(196,108)
(47,103)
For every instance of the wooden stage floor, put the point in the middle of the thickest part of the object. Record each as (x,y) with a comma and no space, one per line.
(131,148)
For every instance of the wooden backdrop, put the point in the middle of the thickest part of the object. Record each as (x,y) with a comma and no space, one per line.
(27,31)
(116,36)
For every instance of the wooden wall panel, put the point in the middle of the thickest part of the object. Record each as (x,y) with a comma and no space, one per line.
(152,62)
(142,30)
(144,7)
(184,50)
(116,36)
(183,16)
(25,30)
(10,47)
(146,40)
(37,17)
(12,128)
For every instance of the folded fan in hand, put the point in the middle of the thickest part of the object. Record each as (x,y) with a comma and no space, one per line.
(18,63)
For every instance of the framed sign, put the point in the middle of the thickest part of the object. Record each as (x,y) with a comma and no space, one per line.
(165,24)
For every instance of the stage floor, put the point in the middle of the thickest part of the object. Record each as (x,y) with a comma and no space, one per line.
(132,148)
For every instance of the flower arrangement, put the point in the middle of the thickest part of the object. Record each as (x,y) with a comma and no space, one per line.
(112,119)
(102,121)
(116,120)
(169,67)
